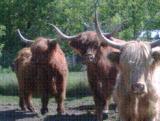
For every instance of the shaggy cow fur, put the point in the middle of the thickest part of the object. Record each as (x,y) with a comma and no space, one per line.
(137,91)
(101,72)
(26,77)
(42,67)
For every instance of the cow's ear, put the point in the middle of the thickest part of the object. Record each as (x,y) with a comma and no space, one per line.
(114,57)
(156,56)
(72,44)
(103,44)
(75,46)
(52,44)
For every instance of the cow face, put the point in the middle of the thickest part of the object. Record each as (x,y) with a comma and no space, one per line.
(40,50)
(134,62)
(86,45)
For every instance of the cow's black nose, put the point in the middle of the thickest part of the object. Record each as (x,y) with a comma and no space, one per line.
(138,87)
(91,57)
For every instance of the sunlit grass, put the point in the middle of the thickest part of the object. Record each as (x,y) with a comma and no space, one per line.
(8,83)
(77,84)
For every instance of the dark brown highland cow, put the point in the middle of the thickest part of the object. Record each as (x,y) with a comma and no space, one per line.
(41,67)
(137,90)
(101,73)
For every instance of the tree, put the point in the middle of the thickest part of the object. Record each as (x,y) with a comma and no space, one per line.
(33,16)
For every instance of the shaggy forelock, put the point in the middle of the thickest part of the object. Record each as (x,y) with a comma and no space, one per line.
(136,54)
(89,37)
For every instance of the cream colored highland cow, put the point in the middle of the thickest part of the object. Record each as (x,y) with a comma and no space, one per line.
(137,90)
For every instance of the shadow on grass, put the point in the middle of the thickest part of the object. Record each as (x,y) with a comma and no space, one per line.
(112,106)
(73,117)
(12,115)
(84,107)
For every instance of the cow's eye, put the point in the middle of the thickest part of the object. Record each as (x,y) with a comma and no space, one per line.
(83,52)
(151,61)
(95,47)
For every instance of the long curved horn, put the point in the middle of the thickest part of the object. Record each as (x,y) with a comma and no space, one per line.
(155,43)
(53,39)
(106,33)
(62,35)
(102,37)
(27,41)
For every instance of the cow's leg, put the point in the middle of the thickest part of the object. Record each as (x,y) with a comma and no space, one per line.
(28,100)
(21,96)
(99,103)
(22,103)
(98,100)
(99,110)
(60,96)
(105,108)
(105,99)
(60,103)
(44,100)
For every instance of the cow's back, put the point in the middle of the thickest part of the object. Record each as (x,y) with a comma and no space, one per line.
(22,64)
(58,61)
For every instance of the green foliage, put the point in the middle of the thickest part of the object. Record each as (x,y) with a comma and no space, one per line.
(2,33)
(2,30)
(33,16)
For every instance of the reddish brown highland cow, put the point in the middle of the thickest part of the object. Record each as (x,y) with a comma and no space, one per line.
(42,68)
(26,77)
(101,72)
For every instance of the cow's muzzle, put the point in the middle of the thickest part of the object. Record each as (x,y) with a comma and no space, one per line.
(89,58)
(138,88)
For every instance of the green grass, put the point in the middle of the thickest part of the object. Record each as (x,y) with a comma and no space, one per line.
(14,100)
(8,83)
(77,84)
(8,99)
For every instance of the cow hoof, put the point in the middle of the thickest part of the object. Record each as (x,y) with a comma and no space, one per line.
(23,109)
(60,111)
(31,109)
(44,111)
(105,114)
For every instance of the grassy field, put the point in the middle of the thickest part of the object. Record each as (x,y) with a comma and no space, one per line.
(77,83)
